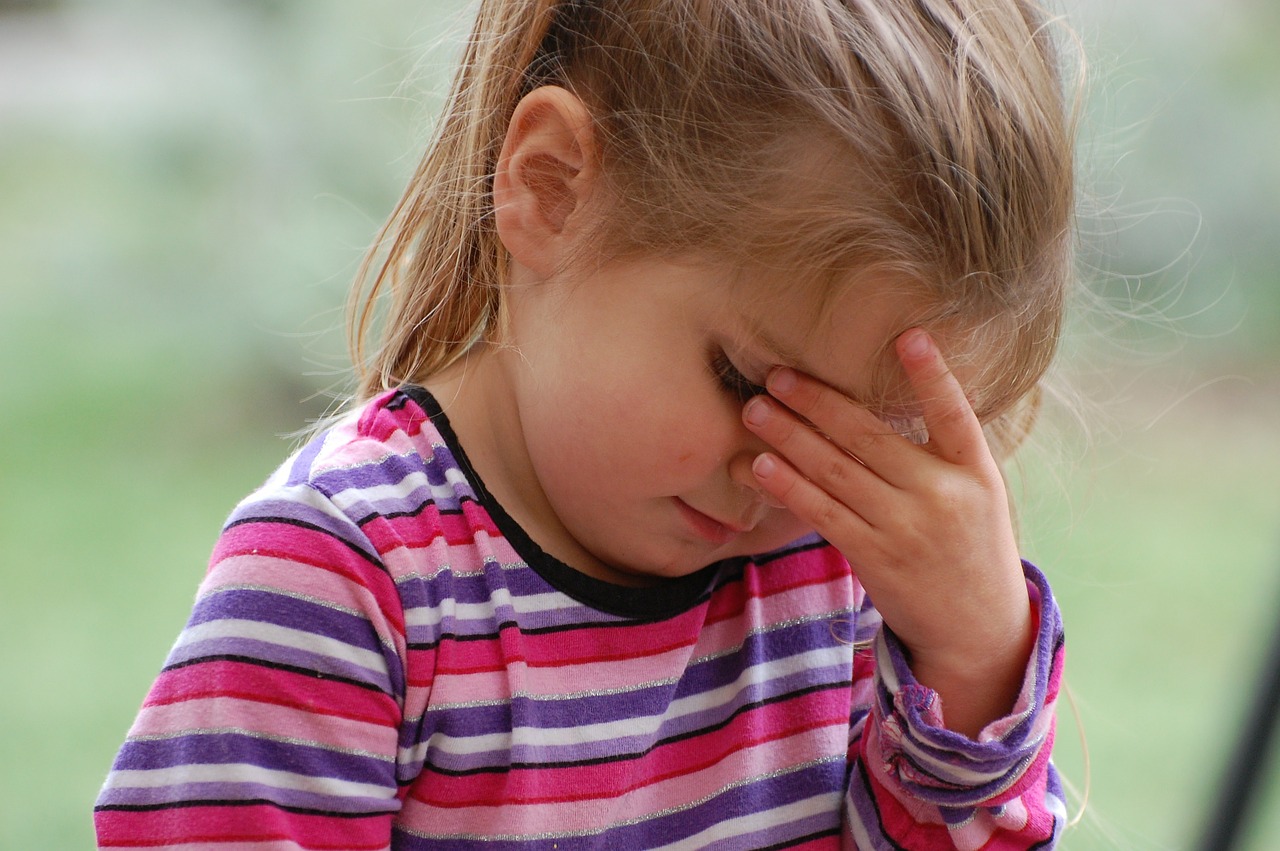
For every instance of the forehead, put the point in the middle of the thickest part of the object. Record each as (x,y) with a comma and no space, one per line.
(842,335)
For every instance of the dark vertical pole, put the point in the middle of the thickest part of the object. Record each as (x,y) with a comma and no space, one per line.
(1244,773)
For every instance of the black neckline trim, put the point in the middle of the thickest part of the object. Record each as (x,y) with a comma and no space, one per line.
(668,599)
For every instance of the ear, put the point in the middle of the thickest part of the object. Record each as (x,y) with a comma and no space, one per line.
(543,178)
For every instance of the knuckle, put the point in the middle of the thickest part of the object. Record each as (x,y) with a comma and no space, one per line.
(951,496)
(862,442)
(839,471)
(825,512)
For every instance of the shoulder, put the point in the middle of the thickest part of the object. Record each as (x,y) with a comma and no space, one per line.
(387,442)
(382,460)
(383,440)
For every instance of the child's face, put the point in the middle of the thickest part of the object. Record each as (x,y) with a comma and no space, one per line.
(628,395)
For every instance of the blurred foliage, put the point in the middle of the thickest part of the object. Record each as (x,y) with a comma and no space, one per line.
(1180,153)
(186,190)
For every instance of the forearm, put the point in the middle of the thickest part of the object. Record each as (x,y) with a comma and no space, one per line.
(977,687)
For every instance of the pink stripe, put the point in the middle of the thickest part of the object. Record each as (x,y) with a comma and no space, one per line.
(268,686)
(252,824)
(267,719)
(313,549)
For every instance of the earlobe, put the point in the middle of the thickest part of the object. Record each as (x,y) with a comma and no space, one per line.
(543,177)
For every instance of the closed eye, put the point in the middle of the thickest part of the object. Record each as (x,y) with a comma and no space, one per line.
(733,381)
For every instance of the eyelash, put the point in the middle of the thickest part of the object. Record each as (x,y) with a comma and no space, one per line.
(732,381)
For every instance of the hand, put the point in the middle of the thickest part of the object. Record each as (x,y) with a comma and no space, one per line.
(926,527)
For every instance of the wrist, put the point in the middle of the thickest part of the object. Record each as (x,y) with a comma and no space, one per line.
(980,684)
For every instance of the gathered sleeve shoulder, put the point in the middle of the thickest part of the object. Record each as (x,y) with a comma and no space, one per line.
(915,784)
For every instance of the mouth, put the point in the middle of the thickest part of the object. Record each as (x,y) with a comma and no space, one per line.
(705,526)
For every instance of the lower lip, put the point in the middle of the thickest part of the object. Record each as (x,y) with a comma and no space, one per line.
(712,530)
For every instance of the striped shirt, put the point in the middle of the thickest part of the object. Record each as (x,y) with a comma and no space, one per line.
(379,657)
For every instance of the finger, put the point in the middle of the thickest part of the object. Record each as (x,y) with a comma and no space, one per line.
(816,458)
(954,430)
(808,502)
(846,423)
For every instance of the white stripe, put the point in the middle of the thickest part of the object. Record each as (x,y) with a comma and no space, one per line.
(398,491)
(283,636)
(238,772)
(421,616)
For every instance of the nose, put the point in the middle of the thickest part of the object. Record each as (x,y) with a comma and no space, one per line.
(754,503)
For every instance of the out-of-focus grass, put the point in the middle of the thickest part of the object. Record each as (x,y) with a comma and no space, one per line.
(1164,550)
(175,243)
(113,494)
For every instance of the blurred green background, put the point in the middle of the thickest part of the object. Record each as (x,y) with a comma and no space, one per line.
(186,189)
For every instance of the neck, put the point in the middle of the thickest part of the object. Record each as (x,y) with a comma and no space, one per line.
(478,394)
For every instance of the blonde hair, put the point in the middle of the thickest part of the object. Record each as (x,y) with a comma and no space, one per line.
(935,142)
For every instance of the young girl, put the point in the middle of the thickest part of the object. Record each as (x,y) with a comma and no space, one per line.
(666,517)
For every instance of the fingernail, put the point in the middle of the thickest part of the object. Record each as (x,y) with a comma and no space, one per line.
(781,380)
(757,412)
(914,343)
(764,466)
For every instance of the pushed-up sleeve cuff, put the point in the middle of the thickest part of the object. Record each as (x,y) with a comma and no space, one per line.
(918,758)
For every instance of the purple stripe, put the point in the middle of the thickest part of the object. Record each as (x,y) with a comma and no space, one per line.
(955,816)
(282,610)
(759,648)
(300,472)
(236,748)
(621,748)
(778,833)
(393,470)
(489,720)
(265,651)
(478,586)
(861,800)
(442,460)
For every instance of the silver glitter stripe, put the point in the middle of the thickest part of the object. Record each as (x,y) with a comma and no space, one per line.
(295,595)
(322,470)
(519,837)
(411,577)
(466,574)
(269,737)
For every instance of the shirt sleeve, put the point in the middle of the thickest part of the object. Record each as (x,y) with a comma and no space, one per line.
(916,785)
(275,721)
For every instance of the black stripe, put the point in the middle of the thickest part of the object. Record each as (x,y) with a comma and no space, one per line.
(871,800)
(413,512)
(237,802)
(800,840)
(541,630)
(1047,843)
